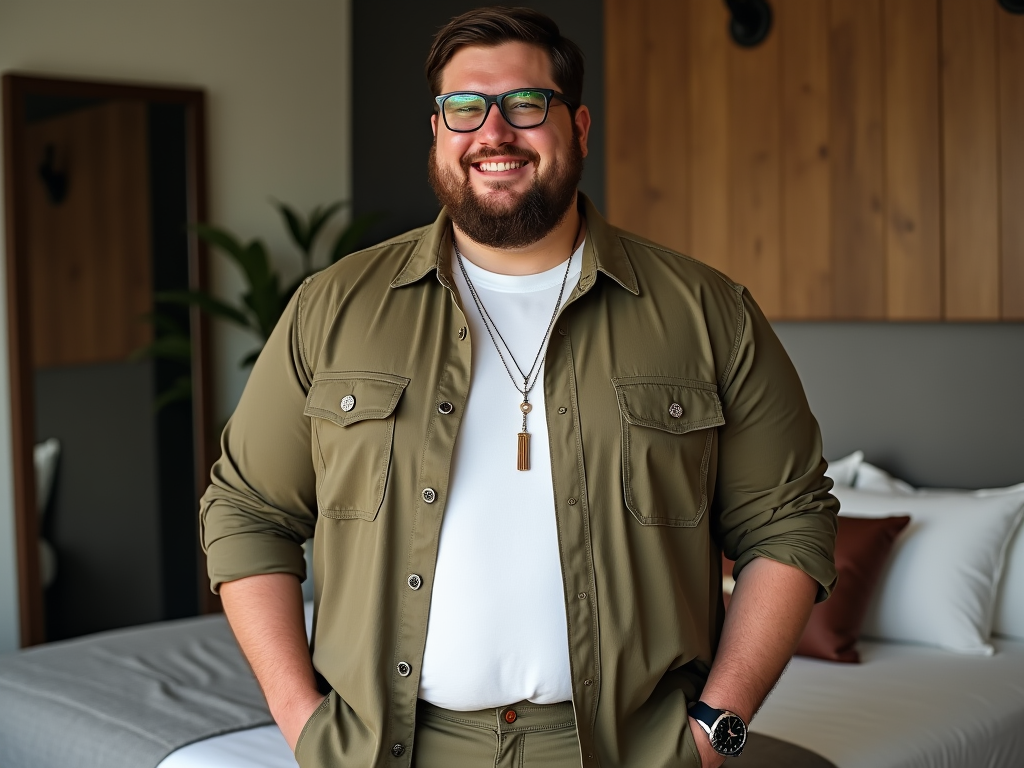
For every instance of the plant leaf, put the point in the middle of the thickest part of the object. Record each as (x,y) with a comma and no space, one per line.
(174,347)
(287,293)
(250,359)
(266,303)
(181,389)
(348,239)
(296,227)
(318,217)
(162,323)
(220,238)
(206,303)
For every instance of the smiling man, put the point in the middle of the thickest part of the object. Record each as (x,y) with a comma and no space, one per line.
(523,438)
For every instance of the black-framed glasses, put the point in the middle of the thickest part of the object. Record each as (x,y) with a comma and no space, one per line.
(466,111)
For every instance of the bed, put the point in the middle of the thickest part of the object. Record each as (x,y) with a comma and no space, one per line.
(907,703)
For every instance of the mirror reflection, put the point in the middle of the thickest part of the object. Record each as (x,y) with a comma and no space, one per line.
(104,186)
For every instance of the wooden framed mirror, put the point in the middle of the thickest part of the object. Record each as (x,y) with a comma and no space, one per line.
(111,447)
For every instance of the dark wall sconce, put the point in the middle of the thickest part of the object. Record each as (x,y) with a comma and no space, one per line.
(752,20)
(56,181)
(1013,6)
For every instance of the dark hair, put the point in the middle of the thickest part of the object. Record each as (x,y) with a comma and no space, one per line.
(499,24)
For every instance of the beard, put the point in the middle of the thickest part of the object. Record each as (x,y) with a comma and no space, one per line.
(525,219)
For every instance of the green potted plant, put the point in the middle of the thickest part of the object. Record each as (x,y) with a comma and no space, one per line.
(263,300)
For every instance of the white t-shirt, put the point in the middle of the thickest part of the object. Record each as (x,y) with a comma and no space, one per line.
(497,632)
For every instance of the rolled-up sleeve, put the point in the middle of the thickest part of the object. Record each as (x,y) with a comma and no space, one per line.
(261,503)
(772,497)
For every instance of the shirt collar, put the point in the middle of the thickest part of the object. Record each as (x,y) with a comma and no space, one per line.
(603,252)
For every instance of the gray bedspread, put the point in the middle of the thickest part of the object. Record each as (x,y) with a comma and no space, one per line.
(125,699)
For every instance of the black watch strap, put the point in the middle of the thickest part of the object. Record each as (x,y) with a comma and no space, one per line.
(705,713)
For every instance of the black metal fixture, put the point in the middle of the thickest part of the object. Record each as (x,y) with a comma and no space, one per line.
(752,20)
(56,181)
(1013,6)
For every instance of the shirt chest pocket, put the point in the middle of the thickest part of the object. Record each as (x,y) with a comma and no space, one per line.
(668,433)
(353,424)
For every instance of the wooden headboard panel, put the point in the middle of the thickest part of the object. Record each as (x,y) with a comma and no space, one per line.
(936,404)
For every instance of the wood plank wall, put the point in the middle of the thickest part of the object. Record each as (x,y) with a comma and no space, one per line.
(90,255)
(866,162)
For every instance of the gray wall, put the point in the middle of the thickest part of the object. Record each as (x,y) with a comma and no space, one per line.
(389,158)
(937,404)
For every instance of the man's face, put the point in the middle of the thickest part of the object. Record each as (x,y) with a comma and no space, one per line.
(507,187)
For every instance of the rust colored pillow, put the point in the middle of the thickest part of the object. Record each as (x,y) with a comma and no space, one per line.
(862,549)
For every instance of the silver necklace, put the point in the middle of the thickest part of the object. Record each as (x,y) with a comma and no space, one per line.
(529,377)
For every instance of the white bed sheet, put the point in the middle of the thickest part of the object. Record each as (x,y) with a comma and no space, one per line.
(262,747)
(905,706)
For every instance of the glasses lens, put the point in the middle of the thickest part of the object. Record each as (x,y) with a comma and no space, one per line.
(464,111)
(525,109)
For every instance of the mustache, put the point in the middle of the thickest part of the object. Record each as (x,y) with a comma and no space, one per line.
(487,153)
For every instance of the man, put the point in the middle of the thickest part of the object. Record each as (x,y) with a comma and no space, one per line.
(523,438)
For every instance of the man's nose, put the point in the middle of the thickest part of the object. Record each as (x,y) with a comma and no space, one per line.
(495,130)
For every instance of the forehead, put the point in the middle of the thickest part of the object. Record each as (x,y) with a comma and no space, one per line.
(497,68)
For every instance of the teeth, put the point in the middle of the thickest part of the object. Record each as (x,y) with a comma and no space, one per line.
(493,167)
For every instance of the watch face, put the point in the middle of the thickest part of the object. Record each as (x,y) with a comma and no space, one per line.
(729,735)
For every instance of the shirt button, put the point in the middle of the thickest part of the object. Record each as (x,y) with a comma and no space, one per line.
(588,682)
(562,331)
(404,669)
(348,403)
(510,716)
(445,407)
(398,750)
(429,495)
(675,410)
(415,582)
(462,333)
(563,409)
(582,595)
(572,502)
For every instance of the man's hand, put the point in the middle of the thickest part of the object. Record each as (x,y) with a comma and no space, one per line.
(708,757)
(767,614)
(265,613)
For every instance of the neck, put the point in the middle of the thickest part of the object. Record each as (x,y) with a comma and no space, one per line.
(548,252)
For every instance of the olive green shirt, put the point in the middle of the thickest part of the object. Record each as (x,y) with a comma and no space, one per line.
(678,429)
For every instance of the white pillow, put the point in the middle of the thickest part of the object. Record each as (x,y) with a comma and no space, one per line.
(1009,611)
(939,587)
(843,471)
(46,455)
(871,478)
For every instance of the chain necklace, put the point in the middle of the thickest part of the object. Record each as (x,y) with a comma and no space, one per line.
(529,377)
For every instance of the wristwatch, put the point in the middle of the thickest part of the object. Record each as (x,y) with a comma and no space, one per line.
(725,729)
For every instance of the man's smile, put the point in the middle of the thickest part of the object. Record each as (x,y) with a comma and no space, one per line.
(499,166)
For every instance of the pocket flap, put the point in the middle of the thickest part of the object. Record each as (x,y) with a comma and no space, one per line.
(671,405)
(352,396)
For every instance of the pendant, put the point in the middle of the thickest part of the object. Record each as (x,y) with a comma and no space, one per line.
(523,459)
(523,454)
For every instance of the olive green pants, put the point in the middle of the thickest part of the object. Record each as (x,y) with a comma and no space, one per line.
(523,735)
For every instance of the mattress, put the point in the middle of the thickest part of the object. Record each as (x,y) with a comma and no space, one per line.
(262,747)
(904,706)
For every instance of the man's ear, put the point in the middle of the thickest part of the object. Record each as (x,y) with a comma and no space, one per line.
(433,124)
(582,121)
